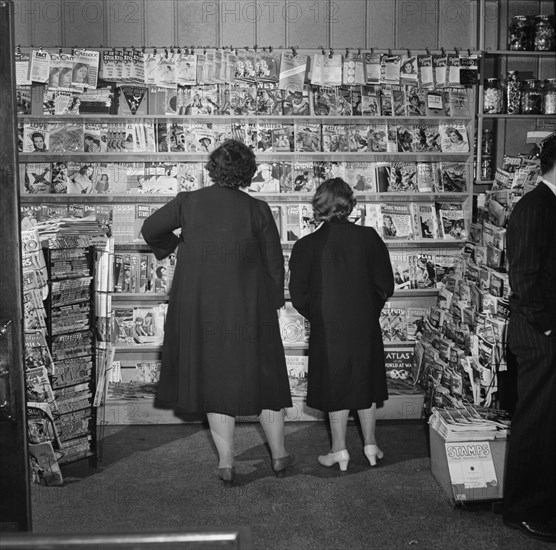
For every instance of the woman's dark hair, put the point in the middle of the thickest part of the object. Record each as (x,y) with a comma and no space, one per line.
(232,164)
(547,154)
(452,130)
(333,200)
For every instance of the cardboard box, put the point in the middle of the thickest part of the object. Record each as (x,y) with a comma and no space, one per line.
(468,471)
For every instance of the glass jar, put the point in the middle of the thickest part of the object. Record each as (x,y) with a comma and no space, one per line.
(549,97)
(531,97)
(493,97)
(487,142)
(544,33)
(520,34)
(513,93)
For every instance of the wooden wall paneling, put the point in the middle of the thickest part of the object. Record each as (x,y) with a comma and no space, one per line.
(197,22)
(348,24)
(308,23)
(456,24)
(22,28)
(160,26)
(492,23)
(237,22)
(417,24)
(46,22)
(124,23)
(84,23)
(380,24)
(271,29)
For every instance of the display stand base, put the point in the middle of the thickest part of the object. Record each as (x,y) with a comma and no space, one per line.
(142,411)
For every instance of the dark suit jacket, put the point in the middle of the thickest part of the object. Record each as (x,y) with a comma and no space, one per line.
(531,249)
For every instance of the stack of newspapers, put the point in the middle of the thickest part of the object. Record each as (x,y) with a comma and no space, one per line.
(469,423)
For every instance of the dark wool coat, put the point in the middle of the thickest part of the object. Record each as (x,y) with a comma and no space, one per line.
(222,349)
(341,276)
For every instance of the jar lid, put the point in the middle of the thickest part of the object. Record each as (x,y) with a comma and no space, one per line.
(492,80)
(544,17)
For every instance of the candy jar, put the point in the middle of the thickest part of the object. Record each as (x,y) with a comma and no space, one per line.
(549,97)
(493,98)
(531,97)
(520,33)
(544,33)
(513,93)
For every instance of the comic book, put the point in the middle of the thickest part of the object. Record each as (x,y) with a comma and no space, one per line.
(425,220)
(402,177)
(265,132)
(357,138)
(334,138)
(453,177)
(148,324)
(377,138)
(269,99)
(451,220)
(37,178)
(307,137)
(370,101)
(282,137)
(360,176)
(297,102)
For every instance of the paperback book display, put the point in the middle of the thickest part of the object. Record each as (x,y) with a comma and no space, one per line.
(62,319)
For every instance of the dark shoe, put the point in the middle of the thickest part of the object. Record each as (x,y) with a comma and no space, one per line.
(227,475)
(279,465)
(541,530)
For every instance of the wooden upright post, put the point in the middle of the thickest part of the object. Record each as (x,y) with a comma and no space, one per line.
(15,507)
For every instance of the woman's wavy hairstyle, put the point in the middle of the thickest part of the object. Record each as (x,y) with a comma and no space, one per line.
(232,164)
(333,200)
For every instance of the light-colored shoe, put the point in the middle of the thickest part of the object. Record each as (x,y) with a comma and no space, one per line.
(372,452)
(341,458)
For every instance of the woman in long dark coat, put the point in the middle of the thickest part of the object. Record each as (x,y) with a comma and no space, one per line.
(341,277)
(222,353)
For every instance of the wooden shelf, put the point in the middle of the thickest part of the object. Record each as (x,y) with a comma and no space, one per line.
(519,53)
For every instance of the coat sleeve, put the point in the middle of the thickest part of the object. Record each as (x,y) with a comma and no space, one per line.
(384,276)
(158,229)
(271,252)
(300,280)
(528,243)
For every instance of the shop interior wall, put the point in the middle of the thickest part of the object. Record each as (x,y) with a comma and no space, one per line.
(306,24)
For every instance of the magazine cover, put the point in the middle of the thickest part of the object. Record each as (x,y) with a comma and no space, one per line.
(402,177)
(425,70)
(307,137)
(397,221)
(390,66)
(453,177)
(148,324)
(264,136)
(451,221)
(377,138)
(307,223)
(415,319)
(428,175)
(37,386)
(409,70)
(325,101)
(293,326)
(291,228)
(440,63)
(36,137)
(398,100)
(301,179)
(360,176)
(373,217)
(457,102)
(453,137)
(297,374)
(370,101)
(425,220)
(160,178)
(334,138)
(405,138)
(269,98)
(426,138)
(399,362)
(282,137)
(357,138)
(372,67)
(385,96)
(416,101)
(66,137)
(266,179)
(402,269)
(266,67)
(436,104)
(38,178)
(297,102)
(425,271)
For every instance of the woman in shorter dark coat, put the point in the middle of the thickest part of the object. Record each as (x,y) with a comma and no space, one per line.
(341,277)
(222,354)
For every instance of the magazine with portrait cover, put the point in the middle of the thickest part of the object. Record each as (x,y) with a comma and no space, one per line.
(409,70)
(297,366)
(94,137)
(415,101)
(307,137)
(402,177)
(370,101)
(453,137)
(334,138)
(453,177)
(452,223)
(36,136)
(397,221)
(361,176)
